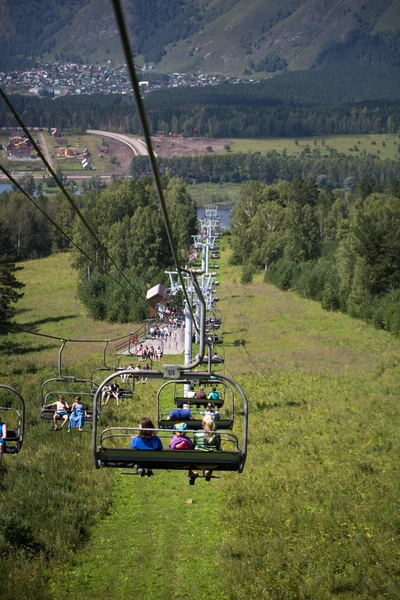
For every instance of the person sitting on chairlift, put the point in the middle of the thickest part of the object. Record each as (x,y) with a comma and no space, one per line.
(123,377)
(105,395)
(115,392)
(210,410)
(180,441)
(207,441)
(181,414)
(201,394)
(214,395)
(3,432)
(146,440)
(78,414)
(191,393)
(61,412)
(146,368)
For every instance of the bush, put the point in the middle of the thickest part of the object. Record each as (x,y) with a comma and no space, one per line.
(247,274)
(280,273)
(387,313)
(18,535)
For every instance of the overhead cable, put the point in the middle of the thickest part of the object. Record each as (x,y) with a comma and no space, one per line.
(21,189)
(67,195)
(64,339)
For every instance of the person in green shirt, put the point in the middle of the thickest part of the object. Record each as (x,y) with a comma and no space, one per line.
(207,441)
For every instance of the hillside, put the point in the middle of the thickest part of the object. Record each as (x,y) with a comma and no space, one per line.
(314,515)
(226,36)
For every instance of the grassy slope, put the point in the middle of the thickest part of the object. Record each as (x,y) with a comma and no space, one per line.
(315,512)
(51,307)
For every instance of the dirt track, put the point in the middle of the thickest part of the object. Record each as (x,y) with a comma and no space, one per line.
(167,147)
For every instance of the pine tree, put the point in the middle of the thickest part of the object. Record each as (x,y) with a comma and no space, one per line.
(9,286)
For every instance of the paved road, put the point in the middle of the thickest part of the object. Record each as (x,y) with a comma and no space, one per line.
(135,144)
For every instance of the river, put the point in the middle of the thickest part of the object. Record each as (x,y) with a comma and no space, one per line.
(223,212)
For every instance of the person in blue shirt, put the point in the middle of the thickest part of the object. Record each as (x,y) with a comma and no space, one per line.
(214,395)
(146,440)
(180,414)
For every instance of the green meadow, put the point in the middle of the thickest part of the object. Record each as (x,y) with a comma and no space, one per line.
(214,193)
(315,513)
(384,145)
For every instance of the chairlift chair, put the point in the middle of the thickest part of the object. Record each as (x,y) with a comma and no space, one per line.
(224,405)
(111,446)
(50,395)
(14,436)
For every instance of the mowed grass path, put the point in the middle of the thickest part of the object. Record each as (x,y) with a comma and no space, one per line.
(315,513)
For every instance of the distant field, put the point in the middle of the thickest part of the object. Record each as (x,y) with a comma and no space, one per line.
(214,193)
(384,145)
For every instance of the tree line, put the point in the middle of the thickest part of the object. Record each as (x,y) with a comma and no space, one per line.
(337,170)
(128,222)
(291,105)
(342,249)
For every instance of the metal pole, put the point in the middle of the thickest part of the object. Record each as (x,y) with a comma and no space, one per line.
(206,257)
(188,333)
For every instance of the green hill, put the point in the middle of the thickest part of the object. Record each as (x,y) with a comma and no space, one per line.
(314,515)
(223,36)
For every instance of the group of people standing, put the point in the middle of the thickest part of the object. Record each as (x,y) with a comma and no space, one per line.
(152,353)
(160,332)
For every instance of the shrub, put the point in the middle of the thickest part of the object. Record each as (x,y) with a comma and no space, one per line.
(18,535)
(247,274)
(280,273)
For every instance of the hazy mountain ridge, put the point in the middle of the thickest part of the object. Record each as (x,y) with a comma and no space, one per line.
(227,36)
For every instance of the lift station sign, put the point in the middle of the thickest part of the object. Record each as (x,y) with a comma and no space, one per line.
(171,372)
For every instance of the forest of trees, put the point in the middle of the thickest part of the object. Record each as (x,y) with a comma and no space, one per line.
(127,220)
(31,26)
(156,23)
(338,248)
(341,247)
(382,48)
(338,170)
(294,104)
(10,287)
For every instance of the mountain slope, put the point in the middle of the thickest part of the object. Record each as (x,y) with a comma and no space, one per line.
(227,36)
